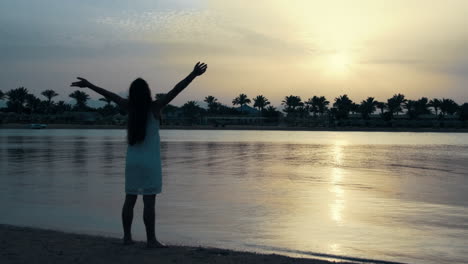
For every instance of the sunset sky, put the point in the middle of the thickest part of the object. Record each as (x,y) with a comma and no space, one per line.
(270,47)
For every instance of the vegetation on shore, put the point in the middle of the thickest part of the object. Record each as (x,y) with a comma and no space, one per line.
(23,106)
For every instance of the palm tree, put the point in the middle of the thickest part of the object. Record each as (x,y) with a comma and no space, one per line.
(368,107)
(241,100)
(190,107)
(16,99)
(261,102)
(191,110)
(355,108)
(435,103)
(410,106)
(81,98)
(32,102)
(61,107)
(108,109)
(463,112)
(343,105)
(422,106)
(270,111)
(312,105)
(212,103)
(106,100)
(210,99)
(291,103)
(322,104)
(381,106)
(448,106)
(302,111)
(49,94)
(394,103)
(417,108)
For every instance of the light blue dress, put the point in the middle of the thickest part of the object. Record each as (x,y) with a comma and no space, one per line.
(143,173)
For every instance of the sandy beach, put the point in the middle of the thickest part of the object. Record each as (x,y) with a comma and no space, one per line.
(30,245)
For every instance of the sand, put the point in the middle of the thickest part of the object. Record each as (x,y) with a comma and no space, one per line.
(31,245)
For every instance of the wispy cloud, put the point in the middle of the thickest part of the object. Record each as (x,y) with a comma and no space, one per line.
(273,47)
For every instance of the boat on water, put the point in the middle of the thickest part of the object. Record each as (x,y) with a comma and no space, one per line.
(37,126)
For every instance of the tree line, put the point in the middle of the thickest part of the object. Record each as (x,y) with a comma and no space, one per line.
(343,106)
(20,100)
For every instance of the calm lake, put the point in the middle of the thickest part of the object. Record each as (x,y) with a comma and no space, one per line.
(389,196)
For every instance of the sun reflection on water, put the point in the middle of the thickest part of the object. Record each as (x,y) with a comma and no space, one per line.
(338,200)
(335,248)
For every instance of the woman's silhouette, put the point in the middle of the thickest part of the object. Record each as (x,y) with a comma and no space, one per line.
(143,162)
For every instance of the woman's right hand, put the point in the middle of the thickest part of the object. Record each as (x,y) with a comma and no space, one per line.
(199,68)
(82,83)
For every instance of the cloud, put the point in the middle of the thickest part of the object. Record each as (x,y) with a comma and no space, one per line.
(272,47)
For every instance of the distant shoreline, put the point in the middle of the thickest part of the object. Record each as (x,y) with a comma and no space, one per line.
(26,245)
(237,127)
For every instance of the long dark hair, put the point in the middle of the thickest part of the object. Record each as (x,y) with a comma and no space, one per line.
(139,102)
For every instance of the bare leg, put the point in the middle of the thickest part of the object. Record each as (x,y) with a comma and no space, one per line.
(127,217)
(149,216)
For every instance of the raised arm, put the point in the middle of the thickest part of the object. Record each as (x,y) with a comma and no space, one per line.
(198,70)
(83,83)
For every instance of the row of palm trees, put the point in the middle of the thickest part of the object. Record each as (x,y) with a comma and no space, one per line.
(20,99)
(260,102)
(343,106)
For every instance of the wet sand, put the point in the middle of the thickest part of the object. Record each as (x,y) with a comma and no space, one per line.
(30,245)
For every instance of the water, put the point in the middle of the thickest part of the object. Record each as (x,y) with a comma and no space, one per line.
(388,196)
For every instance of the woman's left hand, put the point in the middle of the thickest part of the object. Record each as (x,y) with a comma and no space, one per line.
(82,83)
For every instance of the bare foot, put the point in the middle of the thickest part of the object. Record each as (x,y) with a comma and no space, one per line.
(155,244)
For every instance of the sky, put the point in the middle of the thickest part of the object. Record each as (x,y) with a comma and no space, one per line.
(270,47)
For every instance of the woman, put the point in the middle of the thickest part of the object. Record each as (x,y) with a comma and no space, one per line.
(143,162)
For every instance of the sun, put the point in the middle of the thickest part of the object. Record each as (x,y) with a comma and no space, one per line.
(339,63)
